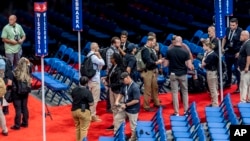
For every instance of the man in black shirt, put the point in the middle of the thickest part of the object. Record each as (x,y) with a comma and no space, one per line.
(149,75)
(130,107)
(82,100)
(179,61)
(244,66)
(231,45)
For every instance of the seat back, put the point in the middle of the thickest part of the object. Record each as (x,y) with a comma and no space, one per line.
(61,51)
(201,134)
(67,54)
(120,133)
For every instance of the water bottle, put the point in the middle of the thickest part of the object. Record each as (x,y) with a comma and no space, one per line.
(36,68)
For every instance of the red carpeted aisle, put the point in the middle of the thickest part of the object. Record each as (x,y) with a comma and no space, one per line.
(62,126)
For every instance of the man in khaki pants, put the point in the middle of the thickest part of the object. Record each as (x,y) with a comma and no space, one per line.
(179,61)
(149,75)
(95,82)
(244,65)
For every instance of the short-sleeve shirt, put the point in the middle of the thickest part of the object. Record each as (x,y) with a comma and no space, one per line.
(131,92)
(244,52)
(81,95)
(9,32)
(211,60)
(130,61)
(177,57)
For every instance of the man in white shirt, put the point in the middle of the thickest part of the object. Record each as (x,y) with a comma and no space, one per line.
(94,82)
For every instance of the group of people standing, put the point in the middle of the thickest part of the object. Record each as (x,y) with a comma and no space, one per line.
(124,94)
(14,69)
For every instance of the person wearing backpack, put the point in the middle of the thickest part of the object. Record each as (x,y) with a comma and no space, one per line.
(94,83)
(20,98)
(129,60)
(149,74)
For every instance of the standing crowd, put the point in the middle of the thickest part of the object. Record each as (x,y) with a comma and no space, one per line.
(121,64)
(15,78)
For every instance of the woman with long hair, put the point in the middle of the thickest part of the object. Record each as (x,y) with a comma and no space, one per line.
(2,117)
(21,73)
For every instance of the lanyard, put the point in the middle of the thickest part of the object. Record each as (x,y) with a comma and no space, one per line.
(208,53)
(126,91)
(231,34)
(245,42)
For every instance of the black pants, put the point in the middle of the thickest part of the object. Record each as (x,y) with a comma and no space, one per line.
(230,61)
(21,110)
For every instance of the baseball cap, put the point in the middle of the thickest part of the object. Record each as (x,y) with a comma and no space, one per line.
(124,75)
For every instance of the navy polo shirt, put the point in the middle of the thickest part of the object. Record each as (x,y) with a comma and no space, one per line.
(131,92)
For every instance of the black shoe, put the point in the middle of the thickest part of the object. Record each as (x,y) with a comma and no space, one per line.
(24,125)
(158,106)
(210,105)
(149,109)
(4,133)
(237,91)
(110,127)
(109,111)
(14,127)
(185,114)
(227,85)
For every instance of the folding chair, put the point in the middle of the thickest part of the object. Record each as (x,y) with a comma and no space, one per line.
(119,135)
(151,122)
(59,54)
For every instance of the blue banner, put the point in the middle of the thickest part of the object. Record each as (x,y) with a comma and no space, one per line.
(228,7)
(41,42)
(77,15)
(220,18)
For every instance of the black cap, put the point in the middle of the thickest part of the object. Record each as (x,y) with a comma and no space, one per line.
(124,75)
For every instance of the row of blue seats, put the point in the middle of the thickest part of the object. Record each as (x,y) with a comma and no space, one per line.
(58,79)
(220,118)
(187,127)
(153,129)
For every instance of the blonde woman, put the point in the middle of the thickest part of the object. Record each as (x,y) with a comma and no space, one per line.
(2,117)
(210,63)
(21,73)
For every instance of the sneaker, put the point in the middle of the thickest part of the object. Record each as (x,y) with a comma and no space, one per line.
(24,125)
(110,127)
(210,105)
(96,119)
(4,133)
(237,91)
(185,114)
(15,127)
(175,114)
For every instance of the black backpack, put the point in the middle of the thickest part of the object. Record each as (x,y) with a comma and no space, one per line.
(87,68)
(197,85)
(103,52)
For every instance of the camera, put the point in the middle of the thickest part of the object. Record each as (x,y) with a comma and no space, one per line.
(16,37)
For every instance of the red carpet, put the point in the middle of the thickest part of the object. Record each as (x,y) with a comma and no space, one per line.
(62,126)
